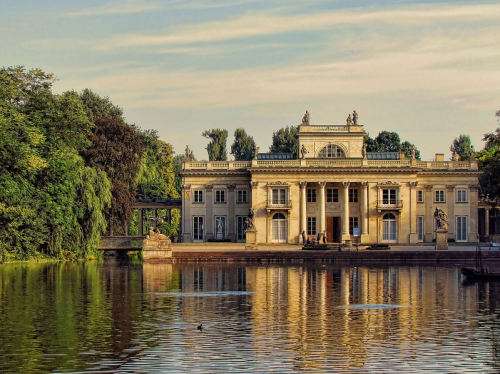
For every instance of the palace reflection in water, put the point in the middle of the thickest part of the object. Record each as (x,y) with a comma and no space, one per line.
(71,317)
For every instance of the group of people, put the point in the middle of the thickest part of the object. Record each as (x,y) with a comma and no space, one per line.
(313,239)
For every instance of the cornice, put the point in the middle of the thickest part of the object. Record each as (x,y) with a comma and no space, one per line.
(213,173)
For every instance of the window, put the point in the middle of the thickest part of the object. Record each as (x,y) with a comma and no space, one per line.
(420,196)
(242,196)
(279,196)
(279,228)
(389,228)
(461,196)
(198,228)
(461,228)
(240,229)
(311,195)
(353,222)
(311,225)
(439,197)
(331,151)
(353,195)
(389,196)
(198,196)
(420,228)
(332,195)
(220,196)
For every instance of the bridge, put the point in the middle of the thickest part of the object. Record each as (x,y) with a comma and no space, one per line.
(127,242)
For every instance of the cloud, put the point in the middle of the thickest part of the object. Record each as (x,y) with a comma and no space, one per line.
(269,23)
(128,7)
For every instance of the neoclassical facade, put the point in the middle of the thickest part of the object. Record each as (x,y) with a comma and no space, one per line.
(332,186)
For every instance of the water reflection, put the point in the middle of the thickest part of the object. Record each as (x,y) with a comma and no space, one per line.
(122,318)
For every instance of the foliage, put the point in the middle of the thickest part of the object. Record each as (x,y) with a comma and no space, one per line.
(177,167)
(243,146)
(217,147)
(117,149)
(96,106)
(462,147)
(284,140)
(489,164)
(45,187)
(387,141)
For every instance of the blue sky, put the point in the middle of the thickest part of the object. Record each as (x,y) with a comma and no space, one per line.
(428,70)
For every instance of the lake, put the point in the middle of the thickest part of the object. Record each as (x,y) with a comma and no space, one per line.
(120,317)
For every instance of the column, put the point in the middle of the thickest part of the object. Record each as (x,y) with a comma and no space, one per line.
(186,213)
(364,209)
(303,207)
(209,218)
(140,228)
(486,222)
(450,206)
(230,216)
(345,212)
(429,214)
(473,203)
(322,215)
(413,212)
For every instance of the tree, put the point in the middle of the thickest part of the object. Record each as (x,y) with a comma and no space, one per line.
(407,148)
(371,144)
(284,140)
(388,141)
(243,146)
(462,147)
(217,147)
(117,149)
(97,106)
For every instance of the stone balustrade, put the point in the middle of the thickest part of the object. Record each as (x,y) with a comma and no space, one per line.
(340,163)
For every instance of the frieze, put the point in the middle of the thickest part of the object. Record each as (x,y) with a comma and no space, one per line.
(278,183)
(333,208)
(388,183)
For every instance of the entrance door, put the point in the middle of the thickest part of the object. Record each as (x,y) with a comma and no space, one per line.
(332,229)
(279,228)
(198,229)
(389,228)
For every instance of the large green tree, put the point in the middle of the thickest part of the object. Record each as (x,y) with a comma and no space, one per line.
(388,141)
(284,140)
(243,146)
(462,146)
(217,147)
(45,187)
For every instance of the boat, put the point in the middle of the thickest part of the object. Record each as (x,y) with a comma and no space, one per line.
(470,273)
(480,272)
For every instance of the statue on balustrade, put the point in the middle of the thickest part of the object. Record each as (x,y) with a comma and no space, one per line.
(354,118)
(303,151)
(255,151)
(441,219)
(349,120)
(306,119)
(187,152)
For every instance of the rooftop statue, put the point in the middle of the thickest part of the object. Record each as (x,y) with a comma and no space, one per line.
(255,151)
(191,156)
(187,152)
(354,118)
(363,151)
(441,219)
(303,151)
(306,118)
(413,153)
(349,121)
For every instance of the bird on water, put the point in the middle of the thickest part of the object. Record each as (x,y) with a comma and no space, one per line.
(200,327)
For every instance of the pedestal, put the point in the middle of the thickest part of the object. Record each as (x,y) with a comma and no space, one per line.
(441,239)
(348,244)
(156,249)
(251,239)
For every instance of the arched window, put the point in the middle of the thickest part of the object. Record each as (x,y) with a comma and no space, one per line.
(332,151)
(279,228)
(389,228)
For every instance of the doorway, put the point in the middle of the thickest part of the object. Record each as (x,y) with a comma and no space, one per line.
(279,228)
(333,229)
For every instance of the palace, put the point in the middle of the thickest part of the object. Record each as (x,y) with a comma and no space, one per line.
(332,185)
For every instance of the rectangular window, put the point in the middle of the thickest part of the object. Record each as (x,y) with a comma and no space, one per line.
(353,222)
(279,196)
(389,196)
(332,195)
(461,228)
(240,229)
(420,196)
(220,196)
(439,197)
(311,225)
(353,195)
(198,196)
(311,195)
(420,228)
(198,228)
(461,196)
(242,196)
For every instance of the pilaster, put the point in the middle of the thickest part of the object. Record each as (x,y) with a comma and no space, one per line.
(345,212)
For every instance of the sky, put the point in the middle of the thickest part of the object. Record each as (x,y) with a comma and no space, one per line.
(429,70)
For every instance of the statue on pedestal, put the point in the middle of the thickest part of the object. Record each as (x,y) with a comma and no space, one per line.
(354,118)
(250,222)
(303,151)
(306,118)
(349,120)
(441,219)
